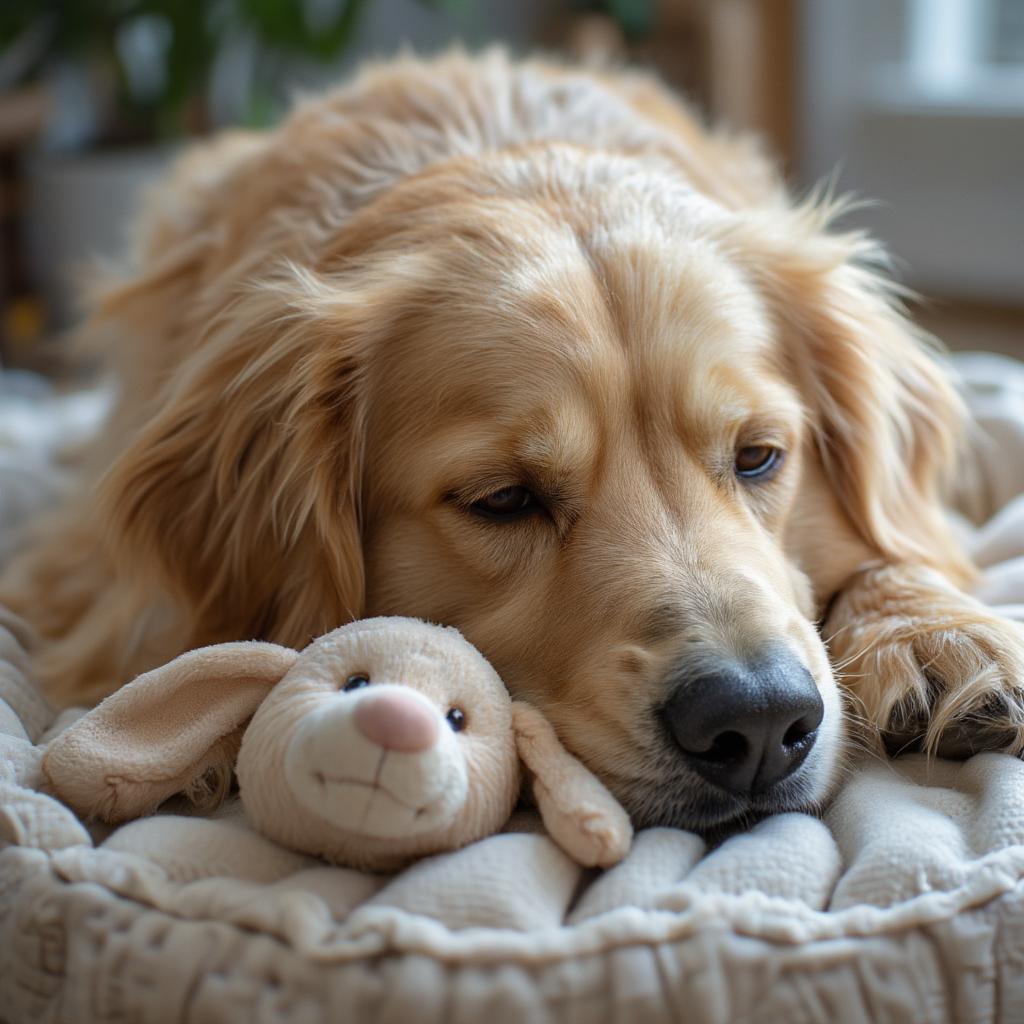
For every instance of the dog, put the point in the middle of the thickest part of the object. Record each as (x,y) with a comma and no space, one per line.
(526,350)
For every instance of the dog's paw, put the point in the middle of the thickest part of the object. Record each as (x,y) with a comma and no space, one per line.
(927,666)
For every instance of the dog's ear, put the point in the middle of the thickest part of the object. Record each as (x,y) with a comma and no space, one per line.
(175,729)
(887,420)
(578,811)
(242,489)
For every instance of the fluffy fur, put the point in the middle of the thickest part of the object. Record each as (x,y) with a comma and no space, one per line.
(456,276)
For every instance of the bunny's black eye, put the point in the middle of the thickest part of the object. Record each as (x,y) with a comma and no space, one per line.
(456,718)
(356,682)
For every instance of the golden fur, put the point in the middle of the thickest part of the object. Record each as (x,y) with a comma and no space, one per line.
(460,275)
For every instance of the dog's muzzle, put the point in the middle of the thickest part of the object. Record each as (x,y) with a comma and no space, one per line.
(742,727)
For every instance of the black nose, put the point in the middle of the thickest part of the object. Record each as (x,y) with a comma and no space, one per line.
(746,728)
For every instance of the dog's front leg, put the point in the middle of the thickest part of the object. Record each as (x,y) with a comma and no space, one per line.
(926,664)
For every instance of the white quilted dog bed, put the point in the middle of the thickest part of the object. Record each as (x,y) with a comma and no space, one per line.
(905,903)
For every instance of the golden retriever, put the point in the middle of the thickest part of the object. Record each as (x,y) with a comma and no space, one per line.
(527,350)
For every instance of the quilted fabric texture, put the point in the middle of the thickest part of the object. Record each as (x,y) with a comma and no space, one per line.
(904,903)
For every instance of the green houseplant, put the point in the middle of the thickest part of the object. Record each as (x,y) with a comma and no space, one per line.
(127,80)
(149,65)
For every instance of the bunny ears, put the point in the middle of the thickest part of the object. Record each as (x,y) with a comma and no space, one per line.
(175,729)
(582,816)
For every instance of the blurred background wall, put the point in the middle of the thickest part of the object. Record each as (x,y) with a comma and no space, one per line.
(918,104)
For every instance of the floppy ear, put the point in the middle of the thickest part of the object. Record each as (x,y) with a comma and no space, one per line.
(887,420)
(173,730)
(579,813)
(242,489)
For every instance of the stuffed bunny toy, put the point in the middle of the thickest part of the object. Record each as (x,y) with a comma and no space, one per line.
(383,741)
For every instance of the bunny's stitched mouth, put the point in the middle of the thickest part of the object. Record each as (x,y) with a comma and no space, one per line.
(376,787)
(417,810)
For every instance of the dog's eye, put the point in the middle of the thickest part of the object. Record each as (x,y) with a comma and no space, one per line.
(456,718)
(757,460)
(356,682)
(508,503)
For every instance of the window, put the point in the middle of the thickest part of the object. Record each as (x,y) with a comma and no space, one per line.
(920,105)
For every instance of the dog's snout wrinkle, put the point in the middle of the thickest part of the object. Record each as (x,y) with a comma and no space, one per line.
(664,622)
(743,728)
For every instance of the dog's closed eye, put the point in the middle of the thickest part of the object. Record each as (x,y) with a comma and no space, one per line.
(507,503)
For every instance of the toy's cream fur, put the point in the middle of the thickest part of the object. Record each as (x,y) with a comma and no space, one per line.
(310,776)
(458,276)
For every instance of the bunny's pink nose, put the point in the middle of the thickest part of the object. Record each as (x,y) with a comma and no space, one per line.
(396,722)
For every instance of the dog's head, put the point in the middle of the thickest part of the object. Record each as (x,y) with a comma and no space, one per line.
(627,439)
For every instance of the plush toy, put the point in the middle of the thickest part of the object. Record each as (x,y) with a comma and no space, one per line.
(385,740)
